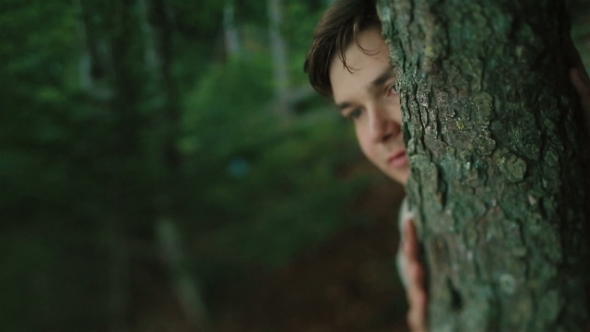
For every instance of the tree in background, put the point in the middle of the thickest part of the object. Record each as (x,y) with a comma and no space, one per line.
(143,169)
(493,130)
(138,152)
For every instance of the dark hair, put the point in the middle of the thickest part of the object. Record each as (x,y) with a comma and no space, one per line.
(338,27)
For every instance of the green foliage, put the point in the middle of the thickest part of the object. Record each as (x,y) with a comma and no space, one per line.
(271,187)
(252,190)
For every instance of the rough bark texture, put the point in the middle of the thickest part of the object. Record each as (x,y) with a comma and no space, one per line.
(158,29)
(279,58)
(493,132)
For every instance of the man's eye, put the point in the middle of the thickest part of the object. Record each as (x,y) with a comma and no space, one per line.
(354,114)
(393,90)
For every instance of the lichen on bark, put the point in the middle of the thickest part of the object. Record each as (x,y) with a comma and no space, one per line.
(493,132)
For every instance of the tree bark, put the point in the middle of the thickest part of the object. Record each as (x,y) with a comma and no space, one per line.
(157,22)
(124,78)
(279,52)
(493,131)
(94,65)
(230,31)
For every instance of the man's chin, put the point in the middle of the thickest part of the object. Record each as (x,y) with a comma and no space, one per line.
(401,176)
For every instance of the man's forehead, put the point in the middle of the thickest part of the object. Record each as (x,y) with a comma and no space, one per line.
(369,42)
(367,75)
(364,64)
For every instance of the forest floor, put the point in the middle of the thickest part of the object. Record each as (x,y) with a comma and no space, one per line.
(347,283)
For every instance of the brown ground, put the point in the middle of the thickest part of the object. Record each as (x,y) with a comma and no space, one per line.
(348,283)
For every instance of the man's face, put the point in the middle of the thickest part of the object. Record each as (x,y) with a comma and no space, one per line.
(367,96)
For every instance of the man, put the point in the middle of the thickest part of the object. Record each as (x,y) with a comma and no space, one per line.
(349,62)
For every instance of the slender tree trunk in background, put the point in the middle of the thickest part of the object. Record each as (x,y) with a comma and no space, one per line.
(138,74)
(126,76)
(169,241)
(158,31)
(493,130)
(285,97)
(105,74)
(232,39)
(279,55)
(94,65)
(84,72)
(118,278)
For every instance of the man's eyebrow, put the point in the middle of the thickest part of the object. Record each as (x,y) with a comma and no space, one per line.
(379,81)
(343,105)
(384,77)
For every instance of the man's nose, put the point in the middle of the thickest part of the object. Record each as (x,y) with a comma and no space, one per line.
(382,125)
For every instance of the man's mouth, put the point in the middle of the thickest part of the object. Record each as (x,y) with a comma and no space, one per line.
(399,159)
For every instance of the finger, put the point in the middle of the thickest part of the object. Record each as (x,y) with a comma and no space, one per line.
(415,274)
(581,84)
(413,319)
(576,61)
(418,275)
(411,250)
(416,284)
(413,286)
(416,317)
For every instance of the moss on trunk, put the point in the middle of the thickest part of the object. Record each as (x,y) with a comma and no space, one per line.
(493,130)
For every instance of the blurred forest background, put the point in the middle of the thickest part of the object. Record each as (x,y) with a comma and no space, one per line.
(165,166)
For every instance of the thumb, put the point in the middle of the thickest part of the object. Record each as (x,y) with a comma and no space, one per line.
(581,84)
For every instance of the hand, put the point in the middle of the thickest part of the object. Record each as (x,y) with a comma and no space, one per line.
(581,83)
(415,274)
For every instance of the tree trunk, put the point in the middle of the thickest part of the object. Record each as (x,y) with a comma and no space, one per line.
(118,282)
(124,76)
(230,31)
(93,63)
(157,22)
(279,58)
(493,130)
